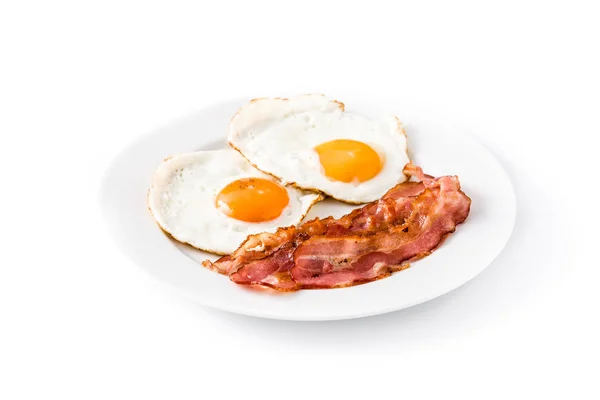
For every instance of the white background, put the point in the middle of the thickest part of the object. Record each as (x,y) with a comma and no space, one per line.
(81,79)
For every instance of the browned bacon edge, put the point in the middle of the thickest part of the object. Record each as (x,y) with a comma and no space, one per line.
(378,239)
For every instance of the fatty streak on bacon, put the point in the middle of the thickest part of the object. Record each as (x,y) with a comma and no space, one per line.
(409,222)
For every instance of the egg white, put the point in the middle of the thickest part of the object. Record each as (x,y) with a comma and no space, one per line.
(183,195)
(278,136)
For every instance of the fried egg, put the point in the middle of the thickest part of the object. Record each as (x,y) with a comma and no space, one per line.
(213,200)
(310,142)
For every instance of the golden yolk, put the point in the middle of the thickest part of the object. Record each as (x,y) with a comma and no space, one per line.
(348,160)
(253,200)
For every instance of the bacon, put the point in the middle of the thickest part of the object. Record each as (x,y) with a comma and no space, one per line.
(272,271)
(394,207)
(322,262)
(369,243)
(255,247)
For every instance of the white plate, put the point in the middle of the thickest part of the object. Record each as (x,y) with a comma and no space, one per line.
(434,146)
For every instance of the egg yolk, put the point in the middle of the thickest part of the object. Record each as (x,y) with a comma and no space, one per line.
(253,199)
(349,160)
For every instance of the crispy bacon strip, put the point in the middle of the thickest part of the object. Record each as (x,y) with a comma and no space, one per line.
(322,262)
(369,243)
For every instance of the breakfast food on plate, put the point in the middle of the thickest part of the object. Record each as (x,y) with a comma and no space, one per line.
(312,143)
(285,155)
(213,200)
(407,223)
